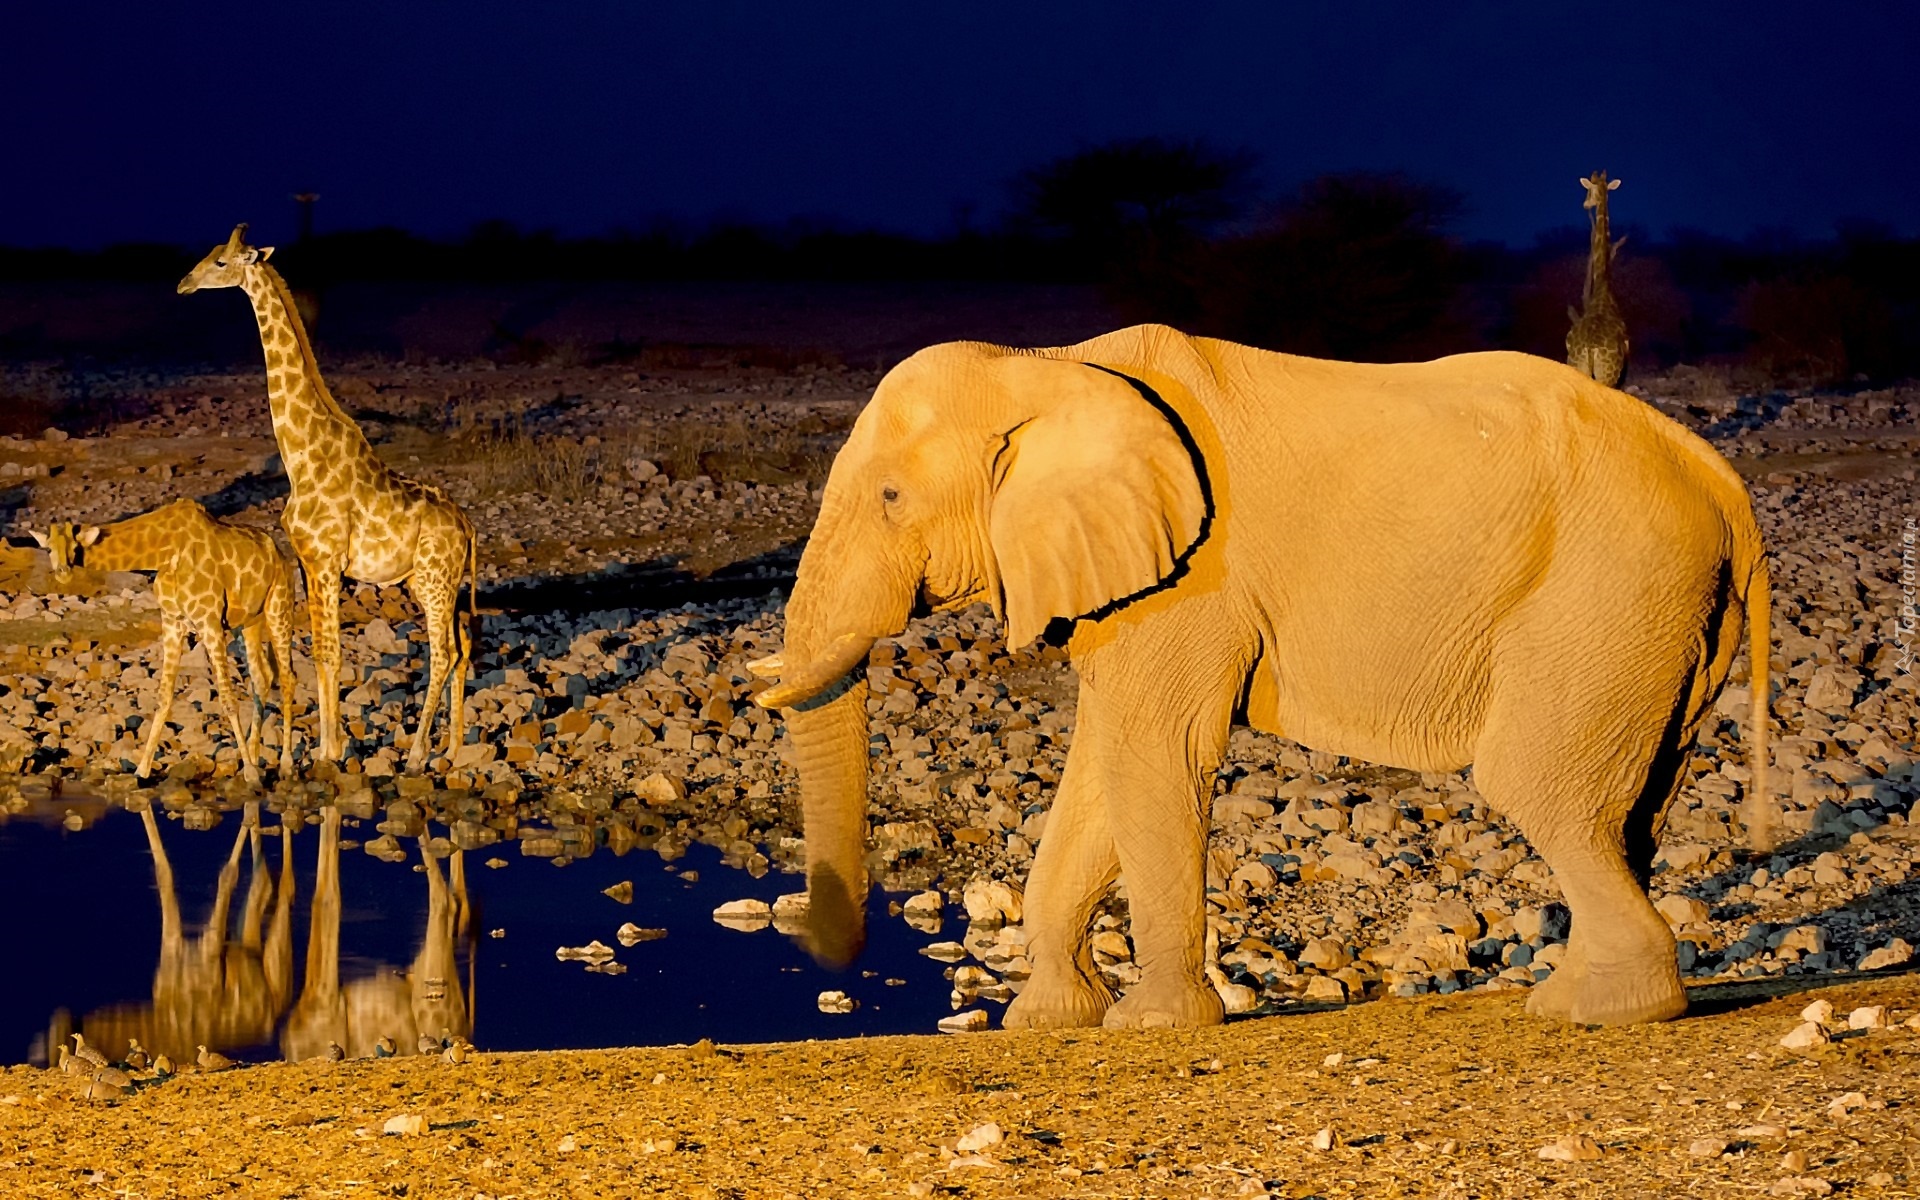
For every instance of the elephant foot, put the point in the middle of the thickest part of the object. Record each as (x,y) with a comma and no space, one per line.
(1181,1004)
(1553,997)
(1615,996)
(1630,996)
(1066,1000)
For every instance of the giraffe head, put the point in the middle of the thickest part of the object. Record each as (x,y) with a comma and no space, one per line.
(1595,184)
(64,543)
(225,264)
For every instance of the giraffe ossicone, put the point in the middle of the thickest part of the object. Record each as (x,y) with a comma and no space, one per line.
(211,579)
(347,512)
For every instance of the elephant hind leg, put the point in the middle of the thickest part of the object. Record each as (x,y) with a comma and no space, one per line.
(1587,773)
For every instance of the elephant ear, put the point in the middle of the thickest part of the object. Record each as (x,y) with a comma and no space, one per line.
(1096,495)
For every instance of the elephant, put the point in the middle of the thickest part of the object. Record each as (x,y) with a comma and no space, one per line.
(1487,559)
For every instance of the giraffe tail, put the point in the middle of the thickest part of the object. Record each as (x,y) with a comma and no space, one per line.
(463,624)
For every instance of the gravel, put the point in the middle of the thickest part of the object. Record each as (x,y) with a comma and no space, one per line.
(1328,881)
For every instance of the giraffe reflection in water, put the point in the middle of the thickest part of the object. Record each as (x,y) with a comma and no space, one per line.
(427,1000)
(233,989)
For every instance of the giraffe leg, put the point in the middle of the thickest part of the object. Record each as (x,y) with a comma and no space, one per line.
(279,622)
(435,592)
(323,614)
(214,637)
(173,641)
(259,678)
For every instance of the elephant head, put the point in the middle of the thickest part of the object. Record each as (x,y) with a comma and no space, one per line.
(1048,488)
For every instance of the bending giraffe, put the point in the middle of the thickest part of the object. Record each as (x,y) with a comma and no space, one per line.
(1597,343)
(347,513)
(210,578)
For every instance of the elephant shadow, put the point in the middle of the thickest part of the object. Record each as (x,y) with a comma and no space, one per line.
(1876,912)
(249,490)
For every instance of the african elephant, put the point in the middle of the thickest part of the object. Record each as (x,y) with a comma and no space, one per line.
(1486,559)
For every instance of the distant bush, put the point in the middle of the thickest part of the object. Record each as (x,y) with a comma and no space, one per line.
(1360,267)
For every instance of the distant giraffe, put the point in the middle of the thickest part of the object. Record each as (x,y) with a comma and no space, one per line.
(210,578)
(347,513)
(1597,343)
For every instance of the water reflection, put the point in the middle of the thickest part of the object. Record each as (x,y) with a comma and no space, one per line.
(427,999)
(229,985)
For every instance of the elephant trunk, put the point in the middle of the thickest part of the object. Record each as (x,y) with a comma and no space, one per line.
(829,736)
(822,691)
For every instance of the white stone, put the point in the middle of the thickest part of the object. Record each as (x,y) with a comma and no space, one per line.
(747,916)
(1709,1147)
(1570,1147)
(971,1021)
(1868,1016)
(1323,1140)
(837,1002)
(593,951)
(1682,911)
(1807,1036)
(945,951)
(405,1125)
(980,1137)
(1820,1012)
(1897,953)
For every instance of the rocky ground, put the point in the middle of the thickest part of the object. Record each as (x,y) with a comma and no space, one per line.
(1457,1096)
(634,526)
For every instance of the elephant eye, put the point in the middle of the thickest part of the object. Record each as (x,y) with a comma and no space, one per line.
(890,494)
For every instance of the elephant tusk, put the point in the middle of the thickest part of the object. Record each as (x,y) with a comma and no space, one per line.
(842,654)
(768,667)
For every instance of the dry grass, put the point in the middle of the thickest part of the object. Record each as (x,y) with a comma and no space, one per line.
(510,461)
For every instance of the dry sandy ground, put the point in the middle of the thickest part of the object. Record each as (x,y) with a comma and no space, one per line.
(1436,1096)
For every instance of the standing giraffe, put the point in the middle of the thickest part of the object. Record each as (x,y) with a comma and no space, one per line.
(347,513)
(210,578)
(1597,343)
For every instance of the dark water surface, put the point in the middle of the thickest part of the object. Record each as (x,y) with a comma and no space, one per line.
(350,948)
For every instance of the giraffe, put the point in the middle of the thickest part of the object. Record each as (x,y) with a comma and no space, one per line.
(1597,343)
(211,577)
(347,513)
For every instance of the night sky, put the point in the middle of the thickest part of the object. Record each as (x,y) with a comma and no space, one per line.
(170,121)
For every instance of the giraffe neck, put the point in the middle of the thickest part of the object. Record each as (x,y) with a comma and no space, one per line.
(1599,255)
(147,542)
(310,427)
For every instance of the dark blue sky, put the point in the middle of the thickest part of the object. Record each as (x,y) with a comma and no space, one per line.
(169,121)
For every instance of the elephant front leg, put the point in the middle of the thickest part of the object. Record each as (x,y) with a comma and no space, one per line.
(1156,766)
(1075,867)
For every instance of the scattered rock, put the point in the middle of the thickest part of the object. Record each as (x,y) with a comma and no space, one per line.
(979,1138)
(971,1021)
(631,934)
(405,1125)
(1896,953)
(747,916)
(1868,1016)
(1570,1147)
(621,892)
(1808,1035)
(1708,1147)
(593,951)
(837,1002)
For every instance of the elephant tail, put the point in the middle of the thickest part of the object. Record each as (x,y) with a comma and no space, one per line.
(1759,605)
